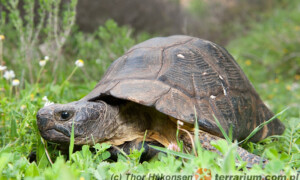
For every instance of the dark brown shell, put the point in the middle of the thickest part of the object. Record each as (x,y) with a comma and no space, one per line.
(185,77)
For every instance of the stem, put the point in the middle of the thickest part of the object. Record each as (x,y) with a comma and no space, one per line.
(1,54)
(46,151)
(39,76)
(10,90)
(69,77)
(17,92)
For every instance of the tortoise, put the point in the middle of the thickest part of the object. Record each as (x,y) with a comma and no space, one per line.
(155,84)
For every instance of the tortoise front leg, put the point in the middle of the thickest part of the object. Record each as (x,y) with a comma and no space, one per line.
(147,154)
(205,140)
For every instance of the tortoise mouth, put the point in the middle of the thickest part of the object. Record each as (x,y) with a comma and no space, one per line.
(61,136)
(54,135)
(63,130)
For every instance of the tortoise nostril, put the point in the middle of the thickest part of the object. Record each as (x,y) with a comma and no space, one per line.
(38,115)
(42,122)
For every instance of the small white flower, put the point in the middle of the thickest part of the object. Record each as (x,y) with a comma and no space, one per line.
(79,63)
(295,86)
(15,82)
(23,107)
(2,68)
(43,63)
(46,58)
(45,98)
(47,102)
(9,74)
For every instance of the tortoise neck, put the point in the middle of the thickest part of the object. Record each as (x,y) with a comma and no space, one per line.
(133,121)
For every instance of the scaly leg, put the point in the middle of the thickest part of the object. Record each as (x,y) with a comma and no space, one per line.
(205,139)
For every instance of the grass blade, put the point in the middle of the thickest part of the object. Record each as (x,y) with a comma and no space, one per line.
(259,127)
(71,147)
(179,154)
(142,148)
(222,130)
(229,159)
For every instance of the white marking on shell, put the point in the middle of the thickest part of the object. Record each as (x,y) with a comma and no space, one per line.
(180,56)
(213,97)
(204,73)
(224,90)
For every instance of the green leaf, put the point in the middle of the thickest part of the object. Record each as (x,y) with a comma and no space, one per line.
(221,145)
(274,166)
(86,151)
(105,155)
(229,159)
(43,162)
(40,152)
(13,128)
(4,159)
(102,147)
(32,170)
(102,154)
(179,154)
(102,171)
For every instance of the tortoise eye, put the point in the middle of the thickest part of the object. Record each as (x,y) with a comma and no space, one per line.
(64,115)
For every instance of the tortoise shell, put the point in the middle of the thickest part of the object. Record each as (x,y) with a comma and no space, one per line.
(188,79)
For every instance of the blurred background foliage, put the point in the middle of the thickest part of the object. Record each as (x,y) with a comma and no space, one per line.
(263,37)
(100,31)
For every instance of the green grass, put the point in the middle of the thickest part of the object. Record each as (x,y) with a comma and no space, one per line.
(268,54)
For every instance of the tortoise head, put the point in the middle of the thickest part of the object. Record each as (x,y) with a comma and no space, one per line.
(89,118)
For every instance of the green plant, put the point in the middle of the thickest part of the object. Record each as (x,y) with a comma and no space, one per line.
(39,30)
